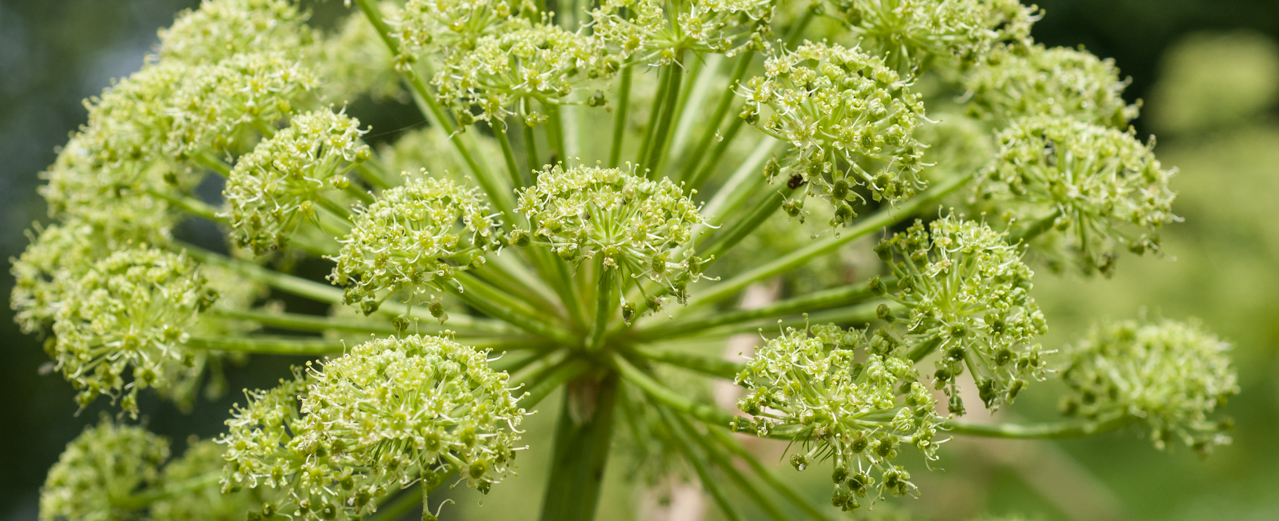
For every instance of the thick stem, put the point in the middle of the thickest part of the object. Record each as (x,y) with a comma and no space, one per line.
(545,382)
(619,122)
(582,440)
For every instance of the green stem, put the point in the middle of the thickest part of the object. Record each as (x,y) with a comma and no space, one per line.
(1055,430)
(500,198)
(402,504)
(373,174)
(217,165)
(821,300)
(619,121)
(726,139)
(712,125)
(544,383)
(530,151)
(744,226)
(498,305)
(797,31)
(1035,228)
(717,367)
(696,99)
(884,217)
(603,307)
(852,315)
(657,151)
(268,345)
(582,441)
(754,493)
(703,474)
(508,155)
(299,322)
(654,114)
(326,293)
(729,442)
(675,400)
(555,132)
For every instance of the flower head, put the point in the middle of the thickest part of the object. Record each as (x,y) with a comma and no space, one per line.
(912,34)
(536,61)
(850,122)
(649,30)
(389,413)
(1016,82)
(414,236)
(1168,375)
(204,458)
(281,183)
(966,292)
(445,26)
(107,461)
(848,400)
(128,319)
(220,29)
(640,226)
(1091,188)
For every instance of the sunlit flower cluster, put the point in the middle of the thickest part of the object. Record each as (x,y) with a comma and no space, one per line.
(851,401)
(640,226)
(289,178)
(653,32)
(1167,375)
(850,121)
(221,29)
(445,26)
(390,413)
(528,62)
(415,236)
(966,292)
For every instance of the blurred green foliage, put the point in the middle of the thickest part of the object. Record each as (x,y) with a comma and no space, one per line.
(1212,107)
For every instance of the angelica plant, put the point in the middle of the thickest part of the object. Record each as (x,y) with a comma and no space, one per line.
(593,185)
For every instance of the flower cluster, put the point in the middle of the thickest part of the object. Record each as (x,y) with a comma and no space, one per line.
(389,413)
(1033,80)
(1084,188)
(221,29)
(130,317)
(850,399)
(1168,375)
(646,30)
(205,500)
(414,236)
(456,25)
(536,61)
(966,291)
(640,226)
(849,119)
(911,34)
(61,253)
(106,462)
(289,177)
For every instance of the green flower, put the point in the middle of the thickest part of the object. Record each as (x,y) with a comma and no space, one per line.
(1084,189)
(850,122)
(389,413)
(966,294)
(1023,81)
(105,463)
(125,327)
(630,223)
(415,237)
(202,498)
(287,178)
(445,26)
(912,34)
(848,399)
(651,31)
(1167,375)
(222,29)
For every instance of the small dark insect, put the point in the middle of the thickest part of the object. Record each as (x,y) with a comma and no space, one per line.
(1050,153)
(795,181)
